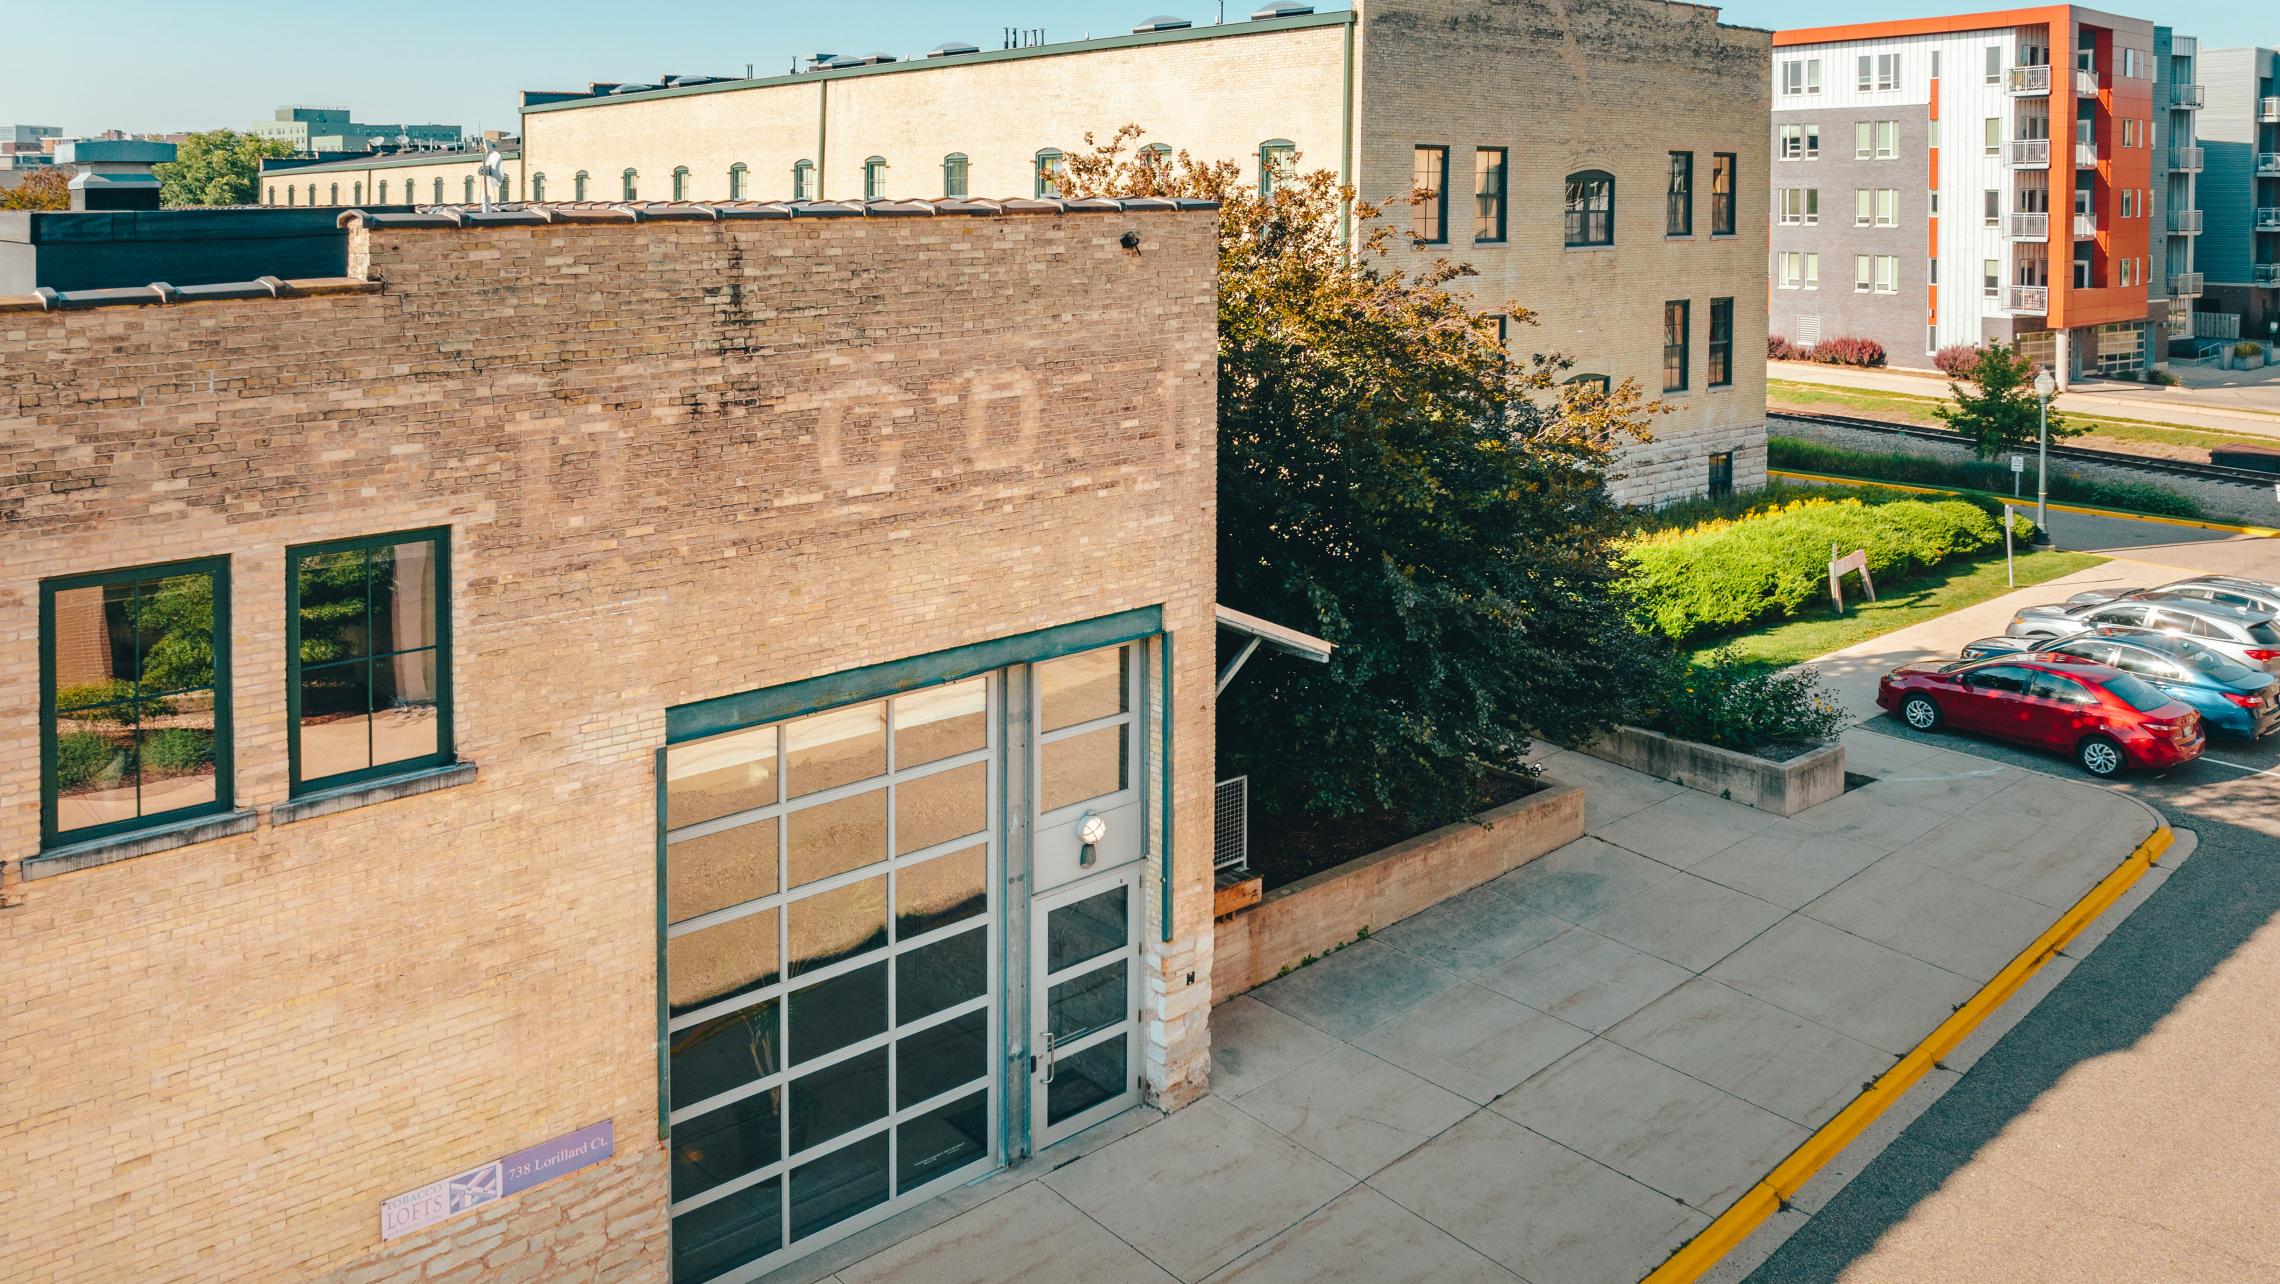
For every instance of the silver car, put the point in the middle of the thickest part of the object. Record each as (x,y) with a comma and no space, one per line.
(2248,637)
(2223,590)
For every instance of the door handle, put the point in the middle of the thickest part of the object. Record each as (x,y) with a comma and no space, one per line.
(1052,1059)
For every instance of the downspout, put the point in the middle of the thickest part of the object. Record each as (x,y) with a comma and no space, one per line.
(1166,879)
(822,133)
(1346,139)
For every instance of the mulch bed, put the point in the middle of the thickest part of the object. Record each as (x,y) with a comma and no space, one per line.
(1306,844)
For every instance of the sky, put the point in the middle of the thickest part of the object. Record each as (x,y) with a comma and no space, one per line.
(167,65)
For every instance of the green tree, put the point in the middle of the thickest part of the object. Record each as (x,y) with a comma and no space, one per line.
(1999,410)
(42,189)
(1393,479)
(217,167)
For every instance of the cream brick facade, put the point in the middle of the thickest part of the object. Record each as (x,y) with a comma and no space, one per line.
(1614,86)
(379,180)
(679,460)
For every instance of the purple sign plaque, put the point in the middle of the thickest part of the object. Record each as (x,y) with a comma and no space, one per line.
(419,1209)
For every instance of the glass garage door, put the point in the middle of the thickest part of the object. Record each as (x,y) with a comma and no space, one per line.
(831,957)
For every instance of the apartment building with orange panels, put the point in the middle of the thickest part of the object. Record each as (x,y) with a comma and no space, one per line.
(2005,175)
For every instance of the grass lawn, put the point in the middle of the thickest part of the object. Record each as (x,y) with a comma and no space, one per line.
(1908,408)
(1928,596)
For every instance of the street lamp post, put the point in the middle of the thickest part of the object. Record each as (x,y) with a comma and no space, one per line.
(2045,388)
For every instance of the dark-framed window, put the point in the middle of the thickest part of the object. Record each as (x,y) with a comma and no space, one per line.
(1677,322)
(630,185)
(134,699)
(1591,208)
(1429,175)
(1048,172)
(383,191)
(538,187)
(368,657)
(332,194)
(736,174)
(1723,190)
(1597,384)
(1721,474)
(1277,156)
(955,169)
(438,185)
(680,182)
(578,186)
(467,185)
(803,180)
(1721,359)
(1678,207)
(1489,182)
(875,178)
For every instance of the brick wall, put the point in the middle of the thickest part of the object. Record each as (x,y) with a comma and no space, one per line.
(679,460)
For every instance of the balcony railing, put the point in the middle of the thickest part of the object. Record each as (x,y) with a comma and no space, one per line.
(2190,97)
(2086,83)
(2268,110)
(2185,222)
(2028,80)
(2187,160)
(2030,227)
(2268,164)
(2086,154)
(2265,274)
(2185,285)
(2033,299)
(2030,153)
(2268,218)
(2085,226)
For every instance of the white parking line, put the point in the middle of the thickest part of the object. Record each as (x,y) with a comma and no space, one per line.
(2253,771)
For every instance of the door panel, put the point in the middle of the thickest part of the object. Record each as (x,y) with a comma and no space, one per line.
(1084,1005)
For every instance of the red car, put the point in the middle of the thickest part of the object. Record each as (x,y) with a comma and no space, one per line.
(2105,718)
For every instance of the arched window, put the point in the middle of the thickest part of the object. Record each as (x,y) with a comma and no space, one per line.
(1050,163)
(631,184)
(358,193)
(469,198)
(1591,208)
(383,191)
(803,181)
(289,194)
(439,189)
(312,193)
(1276,157)
(578,186)
(954,172)
(736,174)
(332,196)
(538,187)
(875,178)
(680,182)
(273,193)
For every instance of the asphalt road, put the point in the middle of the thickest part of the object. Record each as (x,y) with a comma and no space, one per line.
(2126,1128)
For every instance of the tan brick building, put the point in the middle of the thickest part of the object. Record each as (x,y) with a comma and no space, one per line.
(565,751)
(1605,163)
(409,178)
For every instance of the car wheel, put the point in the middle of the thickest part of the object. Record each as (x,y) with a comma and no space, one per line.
(1919,712)
(2100,756)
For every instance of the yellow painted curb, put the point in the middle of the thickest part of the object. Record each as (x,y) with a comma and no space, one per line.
(2266,532)
(1768,1196)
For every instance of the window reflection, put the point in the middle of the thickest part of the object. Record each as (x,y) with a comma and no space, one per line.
(1080,688)
(1085,766)
(136,722)
(940,722)
(716,777)
(721,961)
(835,748)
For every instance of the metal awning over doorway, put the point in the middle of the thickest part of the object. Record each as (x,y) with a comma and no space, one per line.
(1258,632)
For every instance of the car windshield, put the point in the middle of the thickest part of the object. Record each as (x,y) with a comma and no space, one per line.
(2137,693)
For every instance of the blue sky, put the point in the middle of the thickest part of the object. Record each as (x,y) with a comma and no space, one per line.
(165,64)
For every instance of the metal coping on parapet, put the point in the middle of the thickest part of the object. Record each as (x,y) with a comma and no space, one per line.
(159,293)
(536,215)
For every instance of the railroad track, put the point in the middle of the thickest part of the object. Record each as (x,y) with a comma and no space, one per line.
(2073,454)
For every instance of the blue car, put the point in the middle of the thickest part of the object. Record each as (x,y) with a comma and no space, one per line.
(2232,698)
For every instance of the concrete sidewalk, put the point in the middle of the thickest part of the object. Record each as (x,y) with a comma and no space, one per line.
(2250,407)
(1563,1075)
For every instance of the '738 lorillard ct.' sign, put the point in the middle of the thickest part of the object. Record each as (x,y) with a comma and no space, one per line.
(419,1209)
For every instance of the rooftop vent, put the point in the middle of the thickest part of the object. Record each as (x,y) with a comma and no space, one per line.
(632,89)
(1162,22)
(952,50)
(873,60)
(819,61)
(1282,11)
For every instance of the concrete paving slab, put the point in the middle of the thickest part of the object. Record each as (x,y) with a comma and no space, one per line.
(1798,1069)
(1611,792)
(1848,1164)
(1363,1238)
(1870,754)
(1654,1125)
(1944,919)
(1541,1210)
(1872,817)
(2037,838)
(1200,1189)
(1472,932)
(1585,979)
(1355,990)
(1581,879)
(1847,983)
(1252,1043)
(1474,1042)
(1789,863)
(1686,827)
(1689,921)
(1030,1225)
(1355,1110)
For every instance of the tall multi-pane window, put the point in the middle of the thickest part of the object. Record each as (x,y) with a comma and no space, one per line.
(1429,177)
(736,174)
(1887,274)
(629,184)
(1277,156)
(1721,474)
(1887,139)
(954,171)
(1048,172)
(1800,76)
(383,191)
(680,182)
(1994,139)
(438,192)
(1719,369)
(1994,74)
(803,180)
(1591,208)
(1801,206)
(467,188)
(368,657)
(1800,142)
(1488,194)
(578,186)
(538,187)
(1888,207)
(358,190)
(332,194)
(134,699)
(1724,192)
(1677,320)
(1864,273)
(1678,206)
(875,178)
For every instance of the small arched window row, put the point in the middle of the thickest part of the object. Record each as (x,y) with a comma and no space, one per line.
(1590,208)
(538,187)
(736,175)
(630,183)
(955,173)
(469,189)
(578,186)
(680,182)
(332,194)
(358,189)
(438,186)
(312,193)
(803,180)
(875,178)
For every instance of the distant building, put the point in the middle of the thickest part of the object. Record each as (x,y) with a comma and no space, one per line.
(2240,191)
(406,178)
(27,146)
(319,130)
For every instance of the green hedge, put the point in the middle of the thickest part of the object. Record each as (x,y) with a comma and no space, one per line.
(1722,575)
(1801,455)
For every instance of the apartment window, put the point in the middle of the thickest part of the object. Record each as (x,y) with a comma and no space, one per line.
(358,193)
(1878,73)
(1800,142)
(538,187)
(1429,176)
(332,194)
(467,190)
(2126,265)
(1595,384)
(1277,156)
(1812,271)
(1888,207)
(1050,165)
(1864,206)
(955,170)
(1991,206)
(438,191)
(1676,321)
(1801,206)
(736,176)
(368,658)
(1801,76)
(1791,272)
(1935,64)
(1724,173)
(1994,140)
(1888,274)
(803,180)
(1719,369)
(578,186)
(1721,474)
(875,178)
(1864,139)
(1887,139)
(629,185)
(2129,204)
(1591,208)
(680,182)
(1932,271)
(1994,64)
(134,699)
(1488,194)
(1678,212)
(383,191)
(1932,201)
(1990,277)
(1864,273)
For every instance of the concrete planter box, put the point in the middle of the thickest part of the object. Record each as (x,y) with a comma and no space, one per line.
(2253,362)
(1783,788)
(1322,911)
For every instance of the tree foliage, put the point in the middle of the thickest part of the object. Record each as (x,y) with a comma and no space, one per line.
(42,189)
(2000,410)
(1393,478)
(217,167)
